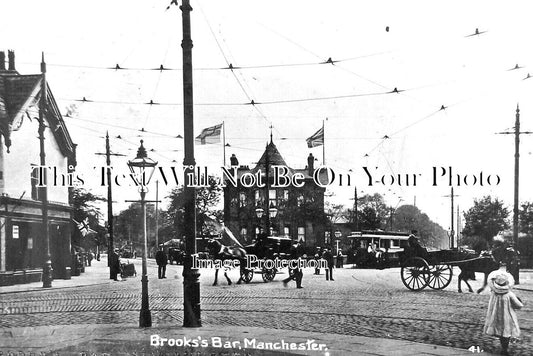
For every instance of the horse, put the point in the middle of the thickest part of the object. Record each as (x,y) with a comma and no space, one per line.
(222,253)
(487,262)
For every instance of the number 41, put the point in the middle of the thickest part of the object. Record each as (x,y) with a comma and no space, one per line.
(475,349)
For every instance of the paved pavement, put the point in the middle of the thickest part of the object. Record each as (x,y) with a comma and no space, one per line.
(361,313)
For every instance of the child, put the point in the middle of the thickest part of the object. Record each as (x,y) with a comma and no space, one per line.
(501,318)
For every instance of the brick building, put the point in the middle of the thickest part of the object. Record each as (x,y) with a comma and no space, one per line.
(22,241)
(300,210)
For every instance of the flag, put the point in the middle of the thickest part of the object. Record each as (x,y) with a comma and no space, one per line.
(210,135)
(84,227)
(317,139)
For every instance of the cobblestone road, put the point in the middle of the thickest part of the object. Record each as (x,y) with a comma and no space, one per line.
(359,302)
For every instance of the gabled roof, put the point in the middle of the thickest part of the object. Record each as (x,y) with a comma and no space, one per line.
(17,93)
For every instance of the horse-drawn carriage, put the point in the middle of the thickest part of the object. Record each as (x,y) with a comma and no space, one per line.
(260,254)
(267,248)
(419,267)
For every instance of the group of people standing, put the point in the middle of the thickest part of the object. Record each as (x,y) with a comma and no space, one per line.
(327,255)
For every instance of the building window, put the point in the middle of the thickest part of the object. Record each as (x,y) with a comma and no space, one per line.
(272,197)
(300,200)
(259,201)
(327,237)
(242,199)
(34,182)
(301,233)
(286,231)
(244,233)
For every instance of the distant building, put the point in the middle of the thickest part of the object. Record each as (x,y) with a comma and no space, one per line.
(300,211)
(22,240)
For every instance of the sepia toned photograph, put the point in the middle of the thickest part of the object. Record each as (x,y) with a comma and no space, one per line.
(237,178)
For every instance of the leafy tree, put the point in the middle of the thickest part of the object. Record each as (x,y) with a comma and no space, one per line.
(526,218)
(408,218)
(207,198)
(486,219)
(85,206)
(128,224)
(372,212)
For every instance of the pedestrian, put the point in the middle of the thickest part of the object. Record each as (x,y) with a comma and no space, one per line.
(501,317)
(318,256)
(296,253)
(161,259)
(90,257)
(328,256)
(339,259)
(114,264)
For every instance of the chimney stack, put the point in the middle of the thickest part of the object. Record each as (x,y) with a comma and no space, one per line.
(11,59)
(2,60)
(233,160)
(311,164)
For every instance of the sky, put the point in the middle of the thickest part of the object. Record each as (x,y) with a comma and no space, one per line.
(455,91)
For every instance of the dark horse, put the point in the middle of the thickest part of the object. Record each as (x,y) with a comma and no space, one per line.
(487,262)
(222,253)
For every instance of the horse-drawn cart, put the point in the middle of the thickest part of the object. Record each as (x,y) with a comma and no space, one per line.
(420,268)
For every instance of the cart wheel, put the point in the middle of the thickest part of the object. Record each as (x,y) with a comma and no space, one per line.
(268,274)
(247,275)
(440,276)
(415,274)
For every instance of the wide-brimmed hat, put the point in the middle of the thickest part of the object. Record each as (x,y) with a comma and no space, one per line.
(500,281)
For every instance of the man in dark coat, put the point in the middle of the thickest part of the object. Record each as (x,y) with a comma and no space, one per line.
(328,256)
(296,252)
(161,259)
(114,264)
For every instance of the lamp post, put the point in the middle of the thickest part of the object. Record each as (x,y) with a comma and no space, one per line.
(272,213)
(338,235)
(140,166)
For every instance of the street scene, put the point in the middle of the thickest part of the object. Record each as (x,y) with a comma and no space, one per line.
(196,177)
(371,304)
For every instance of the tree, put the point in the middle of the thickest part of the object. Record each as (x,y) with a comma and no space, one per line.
(408,218)
(372,212)
(206,199)
(84,205)
(485,220)
(526,218)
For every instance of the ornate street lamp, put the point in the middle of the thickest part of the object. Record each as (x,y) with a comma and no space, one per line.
(143,168)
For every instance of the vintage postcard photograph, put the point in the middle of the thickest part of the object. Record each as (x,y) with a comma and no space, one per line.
(248,177)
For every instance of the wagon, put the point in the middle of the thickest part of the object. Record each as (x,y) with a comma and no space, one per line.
(419,268)
(270,247)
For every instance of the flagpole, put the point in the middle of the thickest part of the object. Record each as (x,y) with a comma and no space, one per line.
(224,141)
(323,144)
